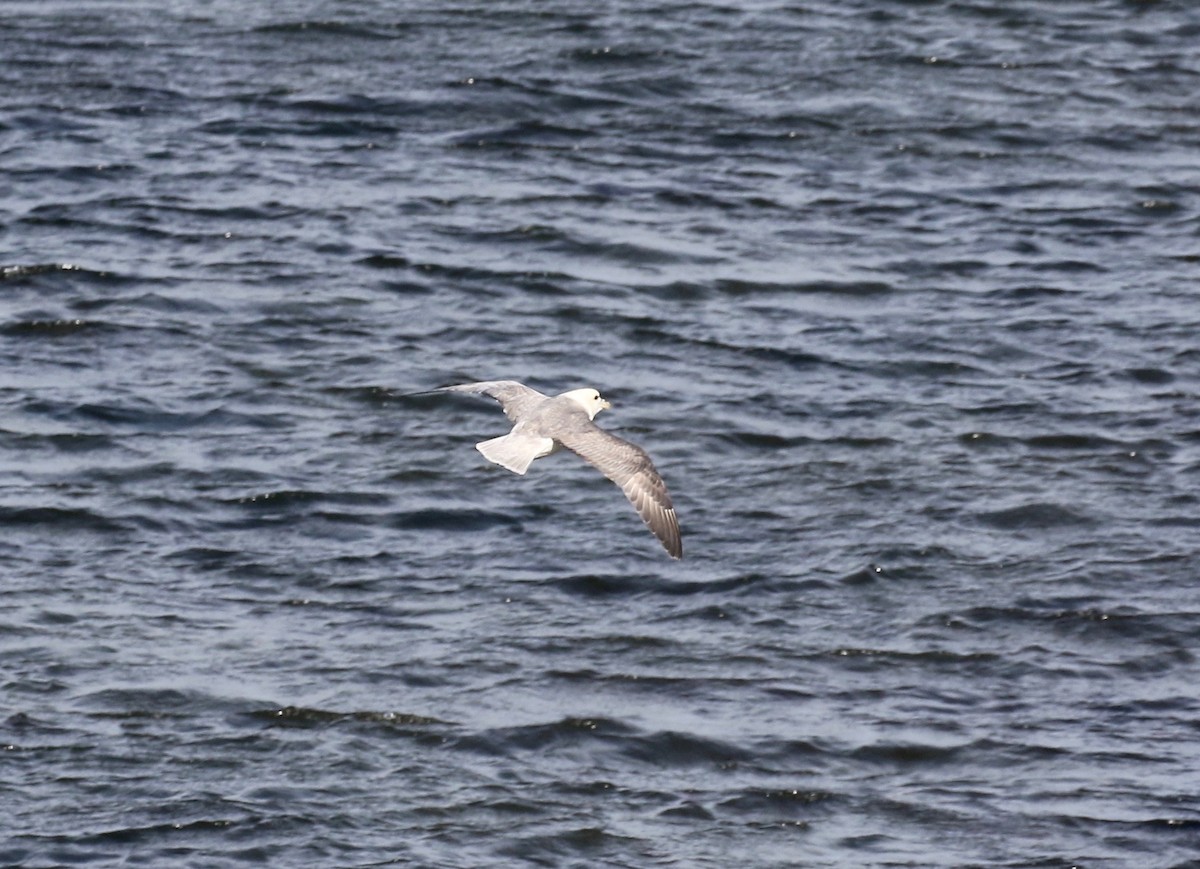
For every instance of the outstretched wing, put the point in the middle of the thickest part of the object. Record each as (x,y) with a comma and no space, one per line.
(629,467)
(515,398)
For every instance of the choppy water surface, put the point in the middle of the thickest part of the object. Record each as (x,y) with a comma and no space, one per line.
(901,297)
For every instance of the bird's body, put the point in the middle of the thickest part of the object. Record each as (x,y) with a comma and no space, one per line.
(543,424)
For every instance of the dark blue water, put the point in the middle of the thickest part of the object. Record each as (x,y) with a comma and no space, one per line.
(901,297)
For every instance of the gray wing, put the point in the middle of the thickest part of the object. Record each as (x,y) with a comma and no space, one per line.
(629,467)
(515,398)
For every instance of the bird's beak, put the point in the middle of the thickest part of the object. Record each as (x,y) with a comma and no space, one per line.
(605,404)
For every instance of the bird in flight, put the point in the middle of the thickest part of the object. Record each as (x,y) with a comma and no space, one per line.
(543,424)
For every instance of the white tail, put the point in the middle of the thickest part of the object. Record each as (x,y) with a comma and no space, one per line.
(515,451)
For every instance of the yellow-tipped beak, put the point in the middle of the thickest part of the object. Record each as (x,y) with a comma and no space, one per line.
(605,404)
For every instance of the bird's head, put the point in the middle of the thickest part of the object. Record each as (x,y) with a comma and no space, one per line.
(588,399)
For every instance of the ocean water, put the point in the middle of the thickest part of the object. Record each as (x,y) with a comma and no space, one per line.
(900,296)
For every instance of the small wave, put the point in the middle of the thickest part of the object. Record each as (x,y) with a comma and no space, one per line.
(72,519)
(1070,441)
(1033,516)
(675,749)
(627,585)
(789,803)
(287,498)
(865,575)
(385,262)
(1089,618)
(63,442)
(893,754)
(659,748)
(652,335)
(8,273)
(152,418)
(57,328)
(852,289)
(599,586)
(454,520)
(763,440)
(315,29)
(557,735)
(564,847)
(142,702)
(1150,376)
(533,133)
(17,273)
(302,717)
(207,557)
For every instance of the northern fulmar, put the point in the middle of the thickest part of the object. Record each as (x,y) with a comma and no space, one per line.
(543,424)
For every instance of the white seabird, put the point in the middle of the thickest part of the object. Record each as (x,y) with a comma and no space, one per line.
(543,424)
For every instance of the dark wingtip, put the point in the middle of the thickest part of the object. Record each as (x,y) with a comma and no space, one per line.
(674,545)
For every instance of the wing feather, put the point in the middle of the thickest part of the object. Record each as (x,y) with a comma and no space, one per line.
(629,466)
(515,398)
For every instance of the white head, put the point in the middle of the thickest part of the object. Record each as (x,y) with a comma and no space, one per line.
(588,399)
